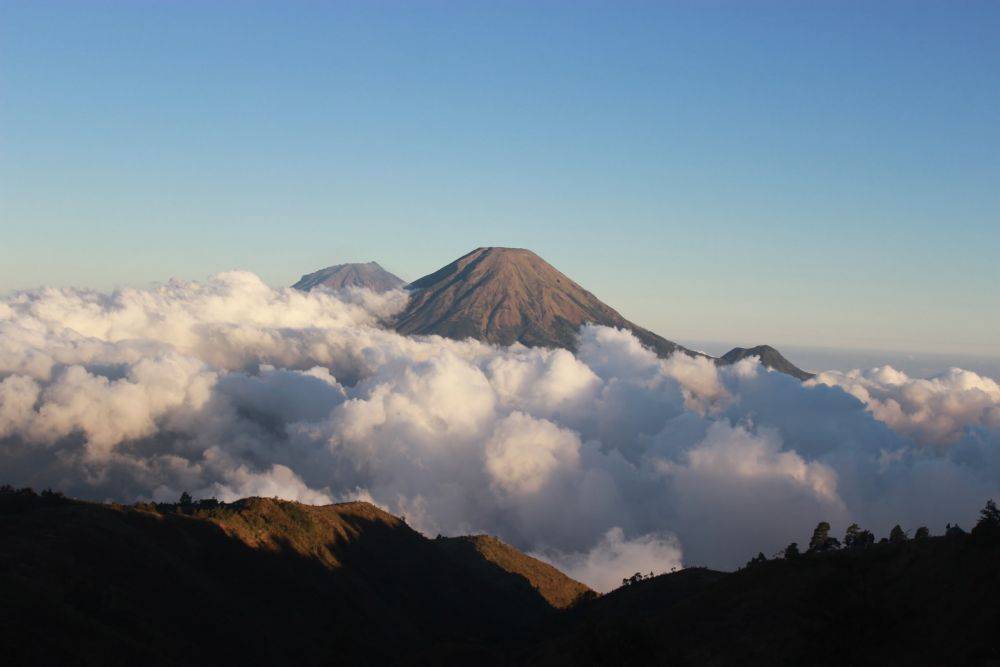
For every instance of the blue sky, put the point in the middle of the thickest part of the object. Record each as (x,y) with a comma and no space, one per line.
(817,174)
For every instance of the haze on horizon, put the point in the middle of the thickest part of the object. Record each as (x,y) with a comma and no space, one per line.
(814,176)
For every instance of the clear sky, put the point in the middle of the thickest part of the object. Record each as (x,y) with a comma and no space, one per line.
(807,173)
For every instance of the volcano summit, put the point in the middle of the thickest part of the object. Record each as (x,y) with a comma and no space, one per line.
(511,295)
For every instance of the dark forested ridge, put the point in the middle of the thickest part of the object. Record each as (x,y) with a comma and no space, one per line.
(924,601)
(257,581)
(263,581)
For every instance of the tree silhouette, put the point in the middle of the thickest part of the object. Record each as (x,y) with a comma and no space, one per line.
(208,503)
(989,516)
(897,534)
(792,551)
(855,538)
(635,578)
(922,533)
(821,540)
(819,536)
(186,499)
(987,530)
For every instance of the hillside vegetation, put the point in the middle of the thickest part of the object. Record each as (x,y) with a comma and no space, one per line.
(263,581)
(922,602)
(260,581)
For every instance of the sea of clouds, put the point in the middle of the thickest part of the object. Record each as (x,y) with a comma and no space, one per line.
(606,462)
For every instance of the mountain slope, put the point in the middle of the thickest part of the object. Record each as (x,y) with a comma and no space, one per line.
(558,590)
(508,295)
(369,275)
(255,581)
(934,601)
(272,582)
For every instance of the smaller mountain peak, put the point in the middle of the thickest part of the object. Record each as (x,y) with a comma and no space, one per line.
(769,357)
(370,275)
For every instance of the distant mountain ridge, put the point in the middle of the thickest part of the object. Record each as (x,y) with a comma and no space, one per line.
(340,276)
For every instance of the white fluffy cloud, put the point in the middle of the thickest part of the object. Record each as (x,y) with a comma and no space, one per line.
(609,461)
(615,558)
(935,410)
(524,454)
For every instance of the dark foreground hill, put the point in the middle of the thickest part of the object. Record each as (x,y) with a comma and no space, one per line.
(934,601)
(558,590)
(258,581)
(511,295)
(271,582)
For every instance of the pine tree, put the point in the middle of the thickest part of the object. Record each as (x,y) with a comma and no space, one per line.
(922,533)
(989,516)
(820,537)
(953,531)
(897,535)
(792,551)
(987,530)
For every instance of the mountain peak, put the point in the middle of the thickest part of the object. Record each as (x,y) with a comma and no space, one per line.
(484,260)
(369,274)
(510,295)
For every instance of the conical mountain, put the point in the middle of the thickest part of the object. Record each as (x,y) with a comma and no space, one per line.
(369,275)
(508,295)
(511,295)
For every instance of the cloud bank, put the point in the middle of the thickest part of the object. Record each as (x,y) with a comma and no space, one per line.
(606,462)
